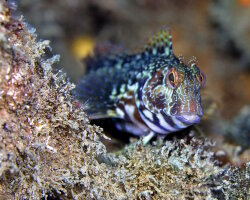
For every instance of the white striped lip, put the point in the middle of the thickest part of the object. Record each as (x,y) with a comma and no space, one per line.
(189,118)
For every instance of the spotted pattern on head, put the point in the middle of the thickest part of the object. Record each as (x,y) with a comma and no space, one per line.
(174,90)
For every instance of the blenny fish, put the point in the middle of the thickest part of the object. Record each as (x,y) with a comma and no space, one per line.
(152,91)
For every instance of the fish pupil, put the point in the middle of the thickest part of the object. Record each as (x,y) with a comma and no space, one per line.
(171,77)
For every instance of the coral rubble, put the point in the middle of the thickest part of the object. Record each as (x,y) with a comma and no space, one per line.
(48,146)
(179,169)
(235,183)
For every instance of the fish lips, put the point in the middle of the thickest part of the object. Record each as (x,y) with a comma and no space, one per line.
(189,118)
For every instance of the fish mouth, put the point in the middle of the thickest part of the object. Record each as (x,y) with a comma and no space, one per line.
(189,118)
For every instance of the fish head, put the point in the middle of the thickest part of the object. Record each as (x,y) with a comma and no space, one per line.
(174,90)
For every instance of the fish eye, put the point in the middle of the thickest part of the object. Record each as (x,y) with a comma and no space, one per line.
(201,78)
(172,78)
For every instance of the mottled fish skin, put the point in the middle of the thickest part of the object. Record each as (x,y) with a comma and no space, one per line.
(152,91)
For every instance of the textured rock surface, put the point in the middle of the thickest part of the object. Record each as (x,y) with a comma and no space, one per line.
(46,143)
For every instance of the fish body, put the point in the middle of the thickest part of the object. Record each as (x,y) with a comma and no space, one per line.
(151,91)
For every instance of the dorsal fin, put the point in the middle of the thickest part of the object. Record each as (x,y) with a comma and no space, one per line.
(160,43)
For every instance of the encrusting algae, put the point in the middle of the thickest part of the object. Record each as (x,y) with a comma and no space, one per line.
(48,147)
